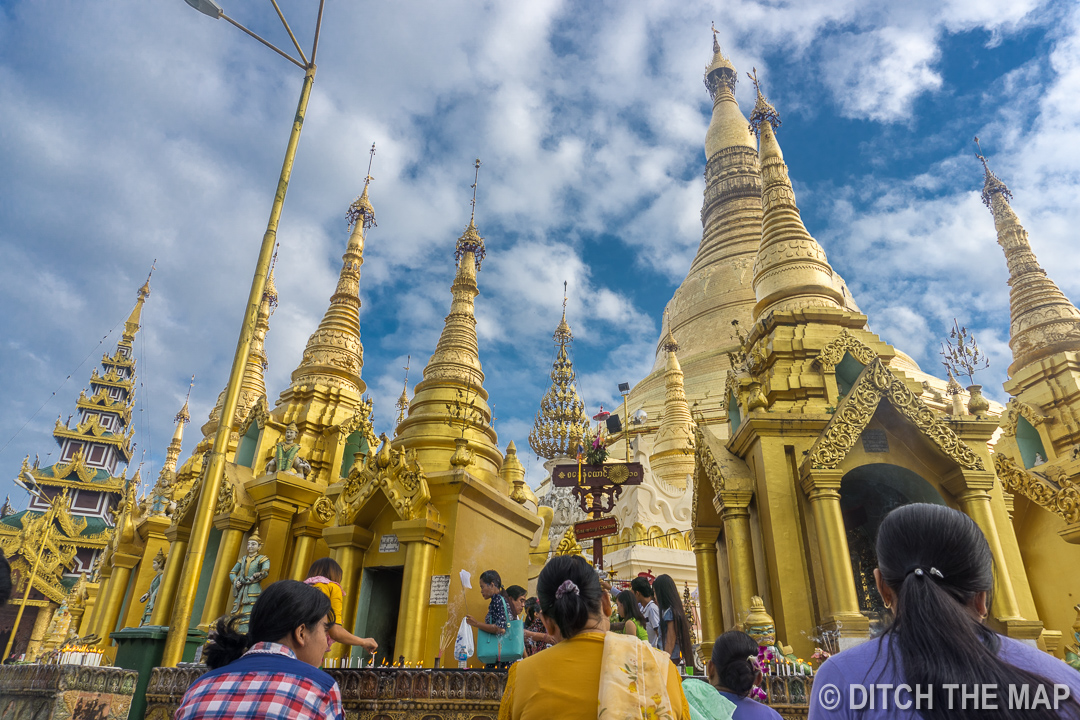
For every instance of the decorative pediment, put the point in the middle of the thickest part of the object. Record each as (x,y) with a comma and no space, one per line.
(393,471)
(1062,498)
(76,467)
(874,384)
(258,414)
(844,343)
(731,387)
(1016,409)
(360,420)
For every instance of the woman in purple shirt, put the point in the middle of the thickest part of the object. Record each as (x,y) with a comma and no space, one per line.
(938,659)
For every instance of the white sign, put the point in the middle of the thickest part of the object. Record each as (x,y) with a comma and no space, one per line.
(440,590)
(389,544)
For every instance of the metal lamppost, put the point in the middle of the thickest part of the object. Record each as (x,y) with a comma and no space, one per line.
(46,533)
(215,469)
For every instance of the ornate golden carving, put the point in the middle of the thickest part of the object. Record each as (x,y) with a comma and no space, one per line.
(569,544)
(1016,409)
(258,414)
(1063,499)
(833,352)
(323,509)
(392,470)
(226,499)
(561,417)
(875,383)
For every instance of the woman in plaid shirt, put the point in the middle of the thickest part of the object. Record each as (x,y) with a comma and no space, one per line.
(272,671)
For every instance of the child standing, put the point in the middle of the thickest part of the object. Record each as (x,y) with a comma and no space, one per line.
(325,575)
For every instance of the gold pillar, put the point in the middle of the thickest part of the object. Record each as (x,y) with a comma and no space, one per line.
(174,567)
(347,547)
(114,601)
(233,527)
(708,574)
(740,549)
(421,538)
(972,491)
(102,601)
(307,531)
(84,626)
(822,487)
(37,634)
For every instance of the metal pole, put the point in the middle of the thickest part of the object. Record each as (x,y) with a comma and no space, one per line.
(204,515)
(49,516)
(626,430)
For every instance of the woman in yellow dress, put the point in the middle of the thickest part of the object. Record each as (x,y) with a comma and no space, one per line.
(589,671)
(325,575)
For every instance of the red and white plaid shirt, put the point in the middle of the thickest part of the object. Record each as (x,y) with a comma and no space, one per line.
(266,682)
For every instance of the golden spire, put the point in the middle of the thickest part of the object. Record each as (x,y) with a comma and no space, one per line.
(672,458)
(131,325)
(334,355)
(728,126)
(1044,322)
(792,270)
(403,401)
(513,472)
(561,417)
(450,403)
(184,416)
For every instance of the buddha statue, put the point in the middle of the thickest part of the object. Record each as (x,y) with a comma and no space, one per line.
(287,455)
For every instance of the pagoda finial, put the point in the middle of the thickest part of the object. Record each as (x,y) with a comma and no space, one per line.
(270,293)
(403,401)
(992,184)
(720,73)
(184,417)
(131,325)
(763,111)
(7,510)
(562,334)
(470,241)
(361,210)
(561,417)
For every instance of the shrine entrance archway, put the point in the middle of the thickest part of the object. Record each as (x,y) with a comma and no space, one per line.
(867,494)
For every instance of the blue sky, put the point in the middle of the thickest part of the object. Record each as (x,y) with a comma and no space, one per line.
(136,131)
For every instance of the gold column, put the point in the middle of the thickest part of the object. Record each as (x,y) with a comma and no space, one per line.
(740,548)
(102,601)
(972,493)
(822,487)
(174,566)
(347,547)
(118,587)
(708,573)
(230,548)
(37,634)
(307,531)
(92,590)
(421,538)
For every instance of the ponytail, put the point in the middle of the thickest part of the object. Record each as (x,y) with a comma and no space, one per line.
(937,561)
(731,657)
(281,608)
(569,593)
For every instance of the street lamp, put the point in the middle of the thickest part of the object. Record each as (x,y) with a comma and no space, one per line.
(215,470)
(29,485)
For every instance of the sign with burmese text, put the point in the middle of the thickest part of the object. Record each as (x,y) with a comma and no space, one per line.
(440,590)
(596,476)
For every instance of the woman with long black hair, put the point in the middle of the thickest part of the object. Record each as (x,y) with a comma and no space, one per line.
(271,671)
(674,627)
(936,573)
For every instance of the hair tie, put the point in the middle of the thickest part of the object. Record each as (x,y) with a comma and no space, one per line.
(568,586)
(921,573)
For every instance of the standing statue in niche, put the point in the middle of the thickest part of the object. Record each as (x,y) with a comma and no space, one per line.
(150,596)
(287,455)
(246,577)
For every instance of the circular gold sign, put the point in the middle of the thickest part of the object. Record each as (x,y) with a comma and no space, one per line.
(618,474)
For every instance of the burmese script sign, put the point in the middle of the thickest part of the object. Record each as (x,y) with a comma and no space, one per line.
(595,476)
(601,527)
(440,590)
(389,544)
